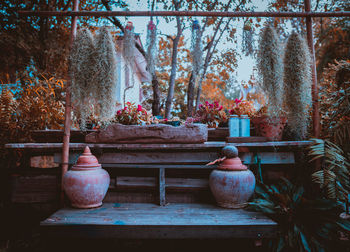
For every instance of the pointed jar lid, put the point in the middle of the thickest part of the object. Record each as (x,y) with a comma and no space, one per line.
(86,161)
(232,161)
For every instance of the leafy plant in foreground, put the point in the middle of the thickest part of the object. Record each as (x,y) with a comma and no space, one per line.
(305,224)
(334,177)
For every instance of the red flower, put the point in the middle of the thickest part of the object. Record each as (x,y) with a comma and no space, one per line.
(237,101)
(139,108)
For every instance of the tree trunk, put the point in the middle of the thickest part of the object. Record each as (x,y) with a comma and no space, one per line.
(190,94)
(170,96)
(156,95)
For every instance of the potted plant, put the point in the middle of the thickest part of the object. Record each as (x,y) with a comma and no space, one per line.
(215,117)
(267,126)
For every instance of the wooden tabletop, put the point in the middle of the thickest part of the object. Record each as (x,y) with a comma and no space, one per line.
(144,220)
(206,145)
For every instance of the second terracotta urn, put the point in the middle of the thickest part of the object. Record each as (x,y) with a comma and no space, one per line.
(86,183)
(232,183)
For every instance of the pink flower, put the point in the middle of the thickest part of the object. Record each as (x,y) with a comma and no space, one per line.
(232,111)
(119,112)
(206,103)
(166,119)
(200,105)
(220,108)
(237,101)
(211,106)
(125,108)
(216,104)
(139,108)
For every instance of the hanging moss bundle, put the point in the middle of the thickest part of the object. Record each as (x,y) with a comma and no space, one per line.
(297,81)
(106,76)
(196,48)
(129,44)
(82,71)
(151,46)
(270,67)
(248,39)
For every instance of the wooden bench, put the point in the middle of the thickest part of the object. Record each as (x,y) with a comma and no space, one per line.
(152,184)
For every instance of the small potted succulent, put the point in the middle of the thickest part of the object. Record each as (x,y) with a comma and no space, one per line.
(240,114)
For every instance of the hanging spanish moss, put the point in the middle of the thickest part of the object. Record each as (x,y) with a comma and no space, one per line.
(248,38)
(82,71)
(129,43)
(270,67)
(196,48)
(106,77)
(297,81)
(151,46)
(129,56)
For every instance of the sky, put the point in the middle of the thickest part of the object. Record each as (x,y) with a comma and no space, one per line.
(245,64)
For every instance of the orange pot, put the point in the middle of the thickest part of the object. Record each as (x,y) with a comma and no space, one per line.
(271,128)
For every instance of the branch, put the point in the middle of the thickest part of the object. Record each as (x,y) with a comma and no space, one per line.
(118,24)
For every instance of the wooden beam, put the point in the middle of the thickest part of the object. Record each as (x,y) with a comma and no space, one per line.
(183,13)
(68,106)
(117,147)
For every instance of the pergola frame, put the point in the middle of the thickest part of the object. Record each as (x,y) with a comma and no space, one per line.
(307,14)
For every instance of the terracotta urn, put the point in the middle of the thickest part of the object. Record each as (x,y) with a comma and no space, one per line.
(86,183)
(271,128)
(232,183)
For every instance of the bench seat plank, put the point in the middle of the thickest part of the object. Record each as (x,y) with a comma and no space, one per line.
(149,221)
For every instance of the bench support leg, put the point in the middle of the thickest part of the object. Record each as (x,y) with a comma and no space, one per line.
(161,183)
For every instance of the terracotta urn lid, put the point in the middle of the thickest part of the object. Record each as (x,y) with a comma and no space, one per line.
(232,162)
(86,161)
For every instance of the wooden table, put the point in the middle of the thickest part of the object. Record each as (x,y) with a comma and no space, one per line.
(160,159)
(150,221)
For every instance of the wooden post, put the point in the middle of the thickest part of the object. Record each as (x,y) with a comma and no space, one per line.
(161,185)
(315,102)
(68,106)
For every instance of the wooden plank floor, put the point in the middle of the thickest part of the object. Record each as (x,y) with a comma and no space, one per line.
(150,221)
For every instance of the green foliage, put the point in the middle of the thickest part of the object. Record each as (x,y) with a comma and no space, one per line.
(305,224)
(37,105)
(335,103)
(334,177)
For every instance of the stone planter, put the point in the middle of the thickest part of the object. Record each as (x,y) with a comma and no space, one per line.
(232,184)
(86,184)
(154,133)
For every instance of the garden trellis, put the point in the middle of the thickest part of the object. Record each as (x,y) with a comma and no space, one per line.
(307,14)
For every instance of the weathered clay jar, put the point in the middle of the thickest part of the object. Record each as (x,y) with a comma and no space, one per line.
(232,184)
(86,183)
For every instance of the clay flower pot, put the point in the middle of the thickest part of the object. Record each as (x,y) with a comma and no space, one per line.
(232,184)
(86,183)
(271,128)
